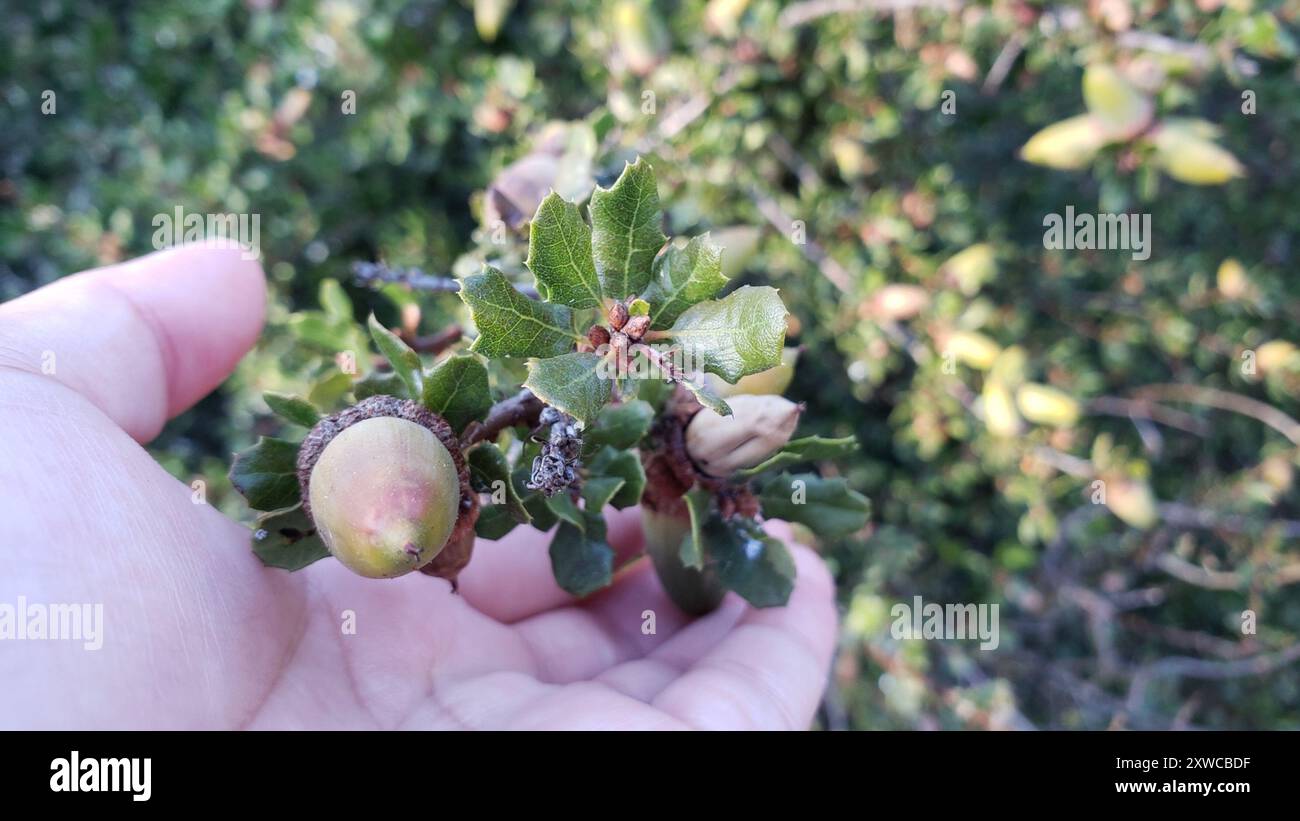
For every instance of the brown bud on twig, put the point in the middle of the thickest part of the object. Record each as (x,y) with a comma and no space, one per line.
(598,335)
(618,316)
(636,327)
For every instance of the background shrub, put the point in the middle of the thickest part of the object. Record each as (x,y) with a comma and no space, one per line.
(845,156)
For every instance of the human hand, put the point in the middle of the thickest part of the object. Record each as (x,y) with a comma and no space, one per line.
(197,633)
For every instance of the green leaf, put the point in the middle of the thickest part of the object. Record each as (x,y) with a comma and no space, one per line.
(334,300)
(654,392)
(620,426)
(625,230)
(1264,36)
(575,383)
(330,389)
(327,333)
(624,465)
(707,397)
(405,362)
(267,474)
(543,517)
(828,506)
(287,539)
(380,383)
(638,307)
(691,552)
(566,510)
(487,467)
(602,120)
(494,522)
(735,336)
(559,255)
(457,390)
(294,409)
(748,561)
(683,276)
(808,449)
(511,324)
(582,561)
(599,491)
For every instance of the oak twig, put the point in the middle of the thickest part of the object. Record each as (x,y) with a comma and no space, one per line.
(1225,400)
(373,274)
(523,408)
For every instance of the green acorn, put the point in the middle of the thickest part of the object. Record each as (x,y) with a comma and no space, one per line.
(387,488)
(695,592)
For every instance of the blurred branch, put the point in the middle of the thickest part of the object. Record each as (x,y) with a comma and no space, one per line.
(374,274)
(1203,577)
(1173,513)
(1225,400)
(781,221)
(676,119)
(1100,614)
(1193,640)
(431,344)
(1187,667)
(1259,665)
(1181,515)
(800,14)
(438,342)
(809,179)
(1002,64)
(1075,466)
(1198,53)
(1119,406)
(1196,575)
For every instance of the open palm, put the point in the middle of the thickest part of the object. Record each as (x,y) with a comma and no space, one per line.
(197,633)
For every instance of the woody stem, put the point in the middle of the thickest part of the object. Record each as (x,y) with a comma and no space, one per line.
(521,409)
(661,362)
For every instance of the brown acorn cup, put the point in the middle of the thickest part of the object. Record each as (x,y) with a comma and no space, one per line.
(455,554)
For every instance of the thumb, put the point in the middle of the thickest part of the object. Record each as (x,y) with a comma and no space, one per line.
(143,340)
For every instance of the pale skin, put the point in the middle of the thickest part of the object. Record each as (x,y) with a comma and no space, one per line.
(197,633)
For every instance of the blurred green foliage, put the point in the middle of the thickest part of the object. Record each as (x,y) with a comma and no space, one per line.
(845,156)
